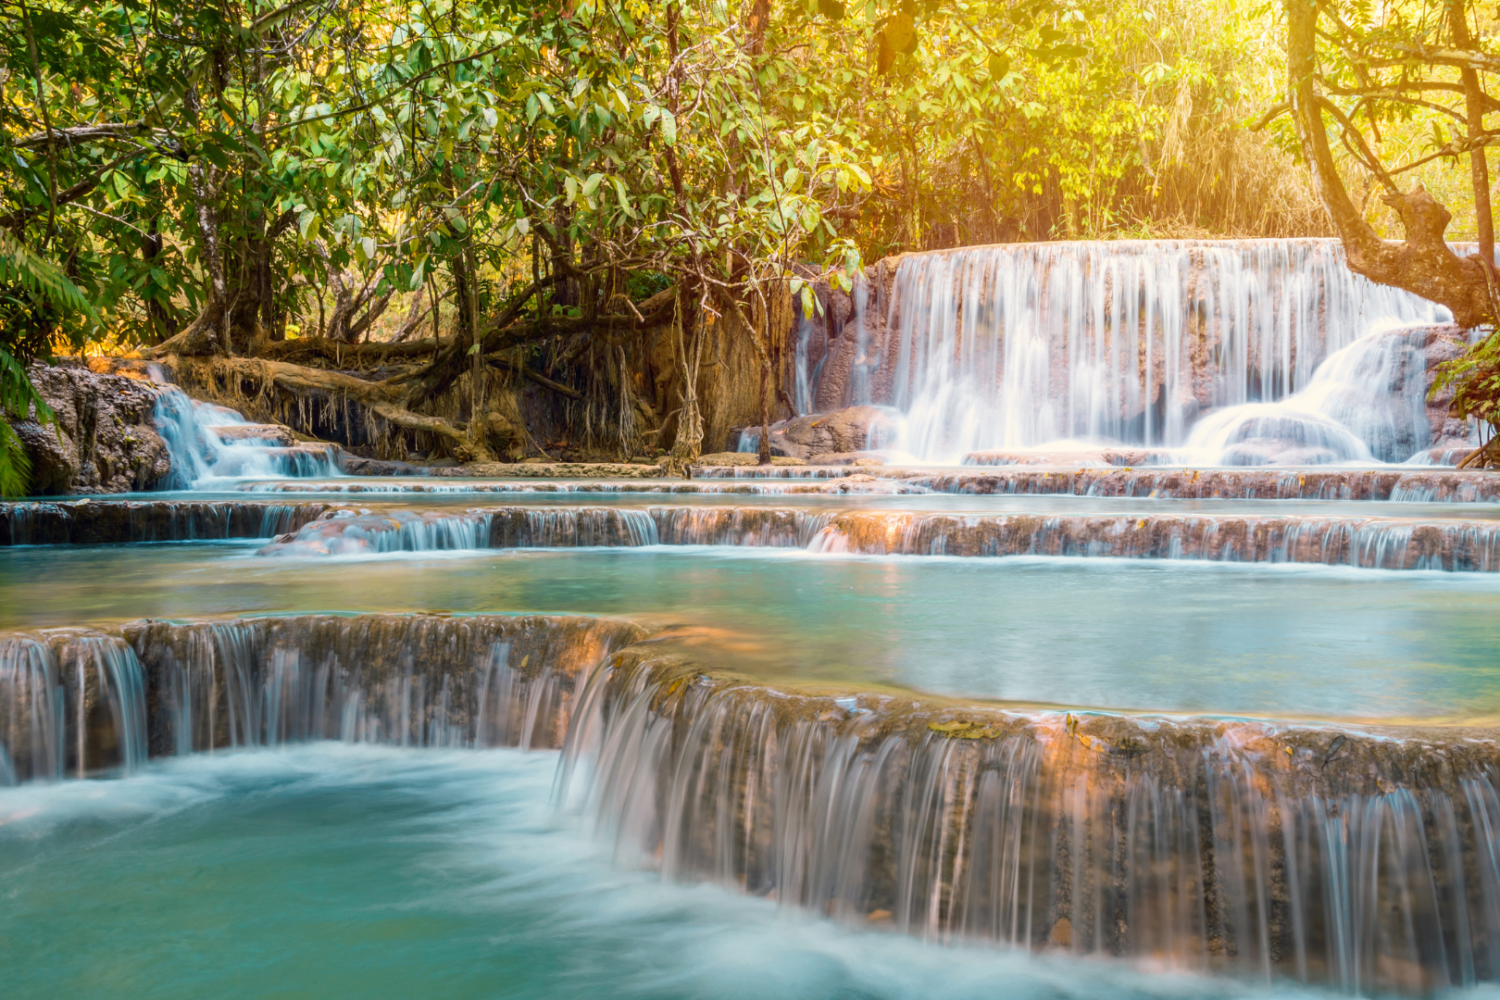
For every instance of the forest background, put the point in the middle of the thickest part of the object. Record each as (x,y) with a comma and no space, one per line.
(522,190)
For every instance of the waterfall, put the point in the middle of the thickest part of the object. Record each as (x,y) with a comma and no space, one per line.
(1362,541)
(71,704)
(89,522)
(1074,344)
(407,680)
(1321,856)
(74,703)
(208,442)
(1366,402)
(348,532)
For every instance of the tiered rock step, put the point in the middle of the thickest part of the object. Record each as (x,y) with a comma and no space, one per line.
(1123,456)
(321,528)
(266,434)
(103,522)
(1118,457)
(78,701)
(1366,542)
(1358,857)
(1420,485)
(844,485)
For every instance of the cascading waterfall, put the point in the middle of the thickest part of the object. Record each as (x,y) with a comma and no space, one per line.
(1369,542)
(1025,345)
(1365,403)
(418,680)
(75,703)
(208,442)
(71,703)
(348,532)
(1357,861)
(1366,861)
(89,522)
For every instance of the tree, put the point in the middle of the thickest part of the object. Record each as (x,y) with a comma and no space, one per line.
(560,183)
(1358,73)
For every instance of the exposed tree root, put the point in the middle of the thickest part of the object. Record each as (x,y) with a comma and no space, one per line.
(380,399)
(1482,457)
(341,353)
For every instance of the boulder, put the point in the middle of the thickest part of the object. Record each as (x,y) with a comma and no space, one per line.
(104,439)
(853,429)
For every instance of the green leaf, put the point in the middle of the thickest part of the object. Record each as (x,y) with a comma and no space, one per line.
(668,127)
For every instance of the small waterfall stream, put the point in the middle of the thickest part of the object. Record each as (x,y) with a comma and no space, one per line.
(209,443)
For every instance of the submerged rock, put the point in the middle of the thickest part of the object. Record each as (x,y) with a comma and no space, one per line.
(855,431)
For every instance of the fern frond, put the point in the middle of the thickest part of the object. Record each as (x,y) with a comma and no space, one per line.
(17,394)
(15,464)
(22,266)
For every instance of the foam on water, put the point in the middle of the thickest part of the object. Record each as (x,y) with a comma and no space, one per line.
(412,869)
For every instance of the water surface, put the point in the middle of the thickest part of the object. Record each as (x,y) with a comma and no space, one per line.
(330,870)
(1162,635)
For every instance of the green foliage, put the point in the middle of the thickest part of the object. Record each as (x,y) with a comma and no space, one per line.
(18,400)
(28,285)
(390,140)
(15,464)
(1475,381)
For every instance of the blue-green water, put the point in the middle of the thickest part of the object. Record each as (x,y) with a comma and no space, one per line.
(330,870)
(1285,641)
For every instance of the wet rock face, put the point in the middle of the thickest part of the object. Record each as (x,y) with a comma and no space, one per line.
(70,705)
(105,439)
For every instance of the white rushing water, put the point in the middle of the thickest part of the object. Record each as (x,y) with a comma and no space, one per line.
(1070,346)
(413,867)
(210,444)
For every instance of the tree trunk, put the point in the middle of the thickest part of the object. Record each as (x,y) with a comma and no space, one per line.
(1479,173)
(687,446)
(765,405)
(216,312)
(1423,264)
